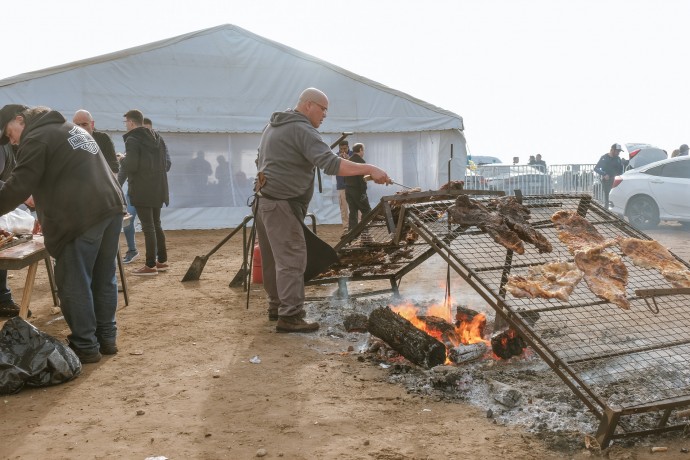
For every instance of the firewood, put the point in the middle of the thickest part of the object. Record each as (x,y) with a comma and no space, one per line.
(507,344)
(466,353)
(402,336)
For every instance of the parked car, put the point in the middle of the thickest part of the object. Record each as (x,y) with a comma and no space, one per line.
(483,159)
(642,154)
(528,179)
(654,192)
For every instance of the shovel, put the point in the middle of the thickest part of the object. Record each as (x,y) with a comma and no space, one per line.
(197,266)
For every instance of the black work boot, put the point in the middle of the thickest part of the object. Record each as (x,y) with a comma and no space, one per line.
(295,324)
(273,315)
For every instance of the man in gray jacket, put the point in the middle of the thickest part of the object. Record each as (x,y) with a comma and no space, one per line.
(290,149)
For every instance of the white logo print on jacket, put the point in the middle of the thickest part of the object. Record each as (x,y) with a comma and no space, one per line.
(80,139)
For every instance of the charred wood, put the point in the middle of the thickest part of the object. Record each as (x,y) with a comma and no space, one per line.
(401,335)
(507,344)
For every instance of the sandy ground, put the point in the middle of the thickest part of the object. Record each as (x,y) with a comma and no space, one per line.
(183,385)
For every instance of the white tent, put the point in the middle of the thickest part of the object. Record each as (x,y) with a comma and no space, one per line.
(213,91)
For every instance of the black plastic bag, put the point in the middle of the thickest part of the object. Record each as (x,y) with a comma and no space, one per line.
(33,358)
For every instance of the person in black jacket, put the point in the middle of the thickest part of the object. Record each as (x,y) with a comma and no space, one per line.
(608,167)
(146,167)
(8,307)
(84,119)
(356,190)
(81,207)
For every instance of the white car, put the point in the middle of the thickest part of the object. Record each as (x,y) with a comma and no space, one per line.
(657,191)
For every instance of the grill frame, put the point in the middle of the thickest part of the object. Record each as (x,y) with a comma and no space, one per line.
(624,365)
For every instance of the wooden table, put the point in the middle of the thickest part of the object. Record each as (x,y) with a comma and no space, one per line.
(29,253)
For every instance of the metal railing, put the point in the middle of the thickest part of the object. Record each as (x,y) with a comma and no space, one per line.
(562,179)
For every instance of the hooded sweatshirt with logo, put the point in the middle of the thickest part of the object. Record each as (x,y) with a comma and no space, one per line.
(61,165)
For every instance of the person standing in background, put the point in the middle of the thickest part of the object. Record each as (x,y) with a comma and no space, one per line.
(146,166)
(83,119)
(343,152)
(608,167)
(356,190)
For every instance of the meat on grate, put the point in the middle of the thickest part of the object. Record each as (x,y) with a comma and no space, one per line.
(651,254)
(604,272)
(555,280)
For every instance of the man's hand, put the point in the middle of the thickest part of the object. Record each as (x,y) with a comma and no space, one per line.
(30,202)
(379,176)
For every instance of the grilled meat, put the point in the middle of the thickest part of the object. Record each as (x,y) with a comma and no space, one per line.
(555,280)
(605,274)
(577,233)
(651,254)
(516,216)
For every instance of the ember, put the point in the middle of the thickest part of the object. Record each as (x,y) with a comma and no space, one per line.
(507,344)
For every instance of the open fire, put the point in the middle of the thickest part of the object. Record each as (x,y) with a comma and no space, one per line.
(463,335)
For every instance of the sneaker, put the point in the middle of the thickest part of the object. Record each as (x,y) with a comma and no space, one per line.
(108,348)
(295,324)
(273,315)
(130,256)
(161,267)
(145,271)
(86,357)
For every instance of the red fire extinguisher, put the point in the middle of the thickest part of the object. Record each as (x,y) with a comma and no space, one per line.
(257,276)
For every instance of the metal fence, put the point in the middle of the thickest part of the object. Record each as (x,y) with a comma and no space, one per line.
(532,180)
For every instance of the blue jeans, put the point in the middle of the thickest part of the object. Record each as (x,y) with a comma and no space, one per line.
(5,294)
(129,230)
(154,238)
(87,286)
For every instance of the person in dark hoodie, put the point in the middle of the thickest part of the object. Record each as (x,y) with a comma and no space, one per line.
(80,206)
(146,166)
(289,150)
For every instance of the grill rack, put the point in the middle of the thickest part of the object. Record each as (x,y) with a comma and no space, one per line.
(625,365)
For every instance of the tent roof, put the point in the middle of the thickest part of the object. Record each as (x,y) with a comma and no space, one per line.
(223,79)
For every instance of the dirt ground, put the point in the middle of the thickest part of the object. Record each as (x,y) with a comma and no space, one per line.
(183,385)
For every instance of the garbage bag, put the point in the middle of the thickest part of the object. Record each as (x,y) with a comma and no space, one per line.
(33,358)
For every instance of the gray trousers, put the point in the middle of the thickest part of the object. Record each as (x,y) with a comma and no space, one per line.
(283,256)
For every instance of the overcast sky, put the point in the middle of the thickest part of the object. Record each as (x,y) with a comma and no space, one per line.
(558,77)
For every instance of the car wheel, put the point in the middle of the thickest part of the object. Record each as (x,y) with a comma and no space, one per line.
(642,213)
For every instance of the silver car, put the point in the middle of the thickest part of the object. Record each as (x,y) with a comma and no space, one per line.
(508,178)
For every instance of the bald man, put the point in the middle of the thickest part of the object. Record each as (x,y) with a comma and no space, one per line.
(290,150)
(84,119)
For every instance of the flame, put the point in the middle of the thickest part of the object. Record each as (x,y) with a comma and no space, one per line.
(467,332)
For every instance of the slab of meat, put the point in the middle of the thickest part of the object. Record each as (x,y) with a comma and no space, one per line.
(577,233)
(555,280)
(651,254)
(472,213)
(516,216)
(605,274)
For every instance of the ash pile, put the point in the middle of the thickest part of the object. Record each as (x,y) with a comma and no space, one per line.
(520,389)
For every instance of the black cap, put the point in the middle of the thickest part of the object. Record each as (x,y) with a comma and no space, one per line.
(684,148)
(7,114)
(617,147)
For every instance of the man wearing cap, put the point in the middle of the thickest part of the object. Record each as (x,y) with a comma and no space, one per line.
(80,206)
(608,167)
(683,150)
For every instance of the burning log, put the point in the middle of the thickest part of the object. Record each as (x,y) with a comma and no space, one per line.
(440,329)
(507,344)
(466,353)
(401,335)
(469,324)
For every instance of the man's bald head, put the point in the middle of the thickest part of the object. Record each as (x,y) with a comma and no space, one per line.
(313,103)
(84,119)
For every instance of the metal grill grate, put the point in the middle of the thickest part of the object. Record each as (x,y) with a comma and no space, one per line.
(619,362)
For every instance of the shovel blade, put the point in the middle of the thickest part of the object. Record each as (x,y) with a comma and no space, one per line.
(195,269)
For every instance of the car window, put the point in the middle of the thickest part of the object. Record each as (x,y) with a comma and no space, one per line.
(679,169)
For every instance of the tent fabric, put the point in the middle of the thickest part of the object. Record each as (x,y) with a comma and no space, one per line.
(213,91)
